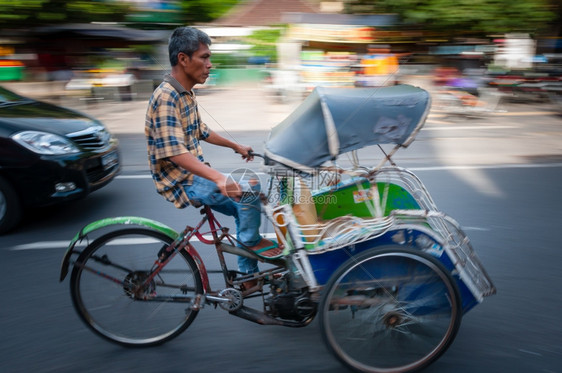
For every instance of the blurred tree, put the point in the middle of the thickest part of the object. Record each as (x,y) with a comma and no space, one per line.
(170,13)
(30,13)
(265,43)
(198,11)
(462,17)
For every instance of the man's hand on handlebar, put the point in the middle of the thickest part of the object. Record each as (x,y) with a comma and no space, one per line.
(246,152)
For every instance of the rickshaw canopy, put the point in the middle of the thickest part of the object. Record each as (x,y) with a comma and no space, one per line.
(333,121)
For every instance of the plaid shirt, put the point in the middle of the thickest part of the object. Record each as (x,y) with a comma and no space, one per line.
(173,126)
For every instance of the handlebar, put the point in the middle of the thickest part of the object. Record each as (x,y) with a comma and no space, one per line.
(254,154)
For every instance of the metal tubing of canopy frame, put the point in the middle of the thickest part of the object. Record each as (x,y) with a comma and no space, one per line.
(409,181)
(387,157)
(458,248)
(299,257)
(285,214)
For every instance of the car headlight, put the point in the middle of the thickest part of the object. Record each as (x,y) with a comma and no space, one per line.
(45,143)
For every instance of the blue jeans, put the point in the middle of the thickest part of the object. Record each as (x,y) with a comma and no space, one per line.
(247,215)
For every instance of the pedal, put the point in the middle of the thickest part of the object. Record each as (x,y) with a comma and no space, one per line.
(198,303)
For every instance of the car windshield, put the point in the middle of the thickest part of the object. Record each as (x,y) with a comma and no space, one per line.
(6,95)
(11,98)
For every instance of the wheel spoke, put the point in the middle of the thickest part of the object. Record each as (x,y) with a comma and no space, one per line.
(116,295)
(401,310)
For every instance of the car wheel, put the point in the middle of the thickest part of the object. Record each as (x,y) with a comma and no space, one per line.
(10,208)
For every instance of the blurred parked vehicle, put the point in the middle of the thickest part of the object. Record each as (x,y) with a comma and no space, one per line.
(103,82)
(466,93)
(554,92)
(283,84)
(48,155)
(528,85)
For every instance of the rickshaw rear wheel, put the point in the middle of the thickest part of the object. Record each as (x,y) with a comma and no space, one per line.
(390,309)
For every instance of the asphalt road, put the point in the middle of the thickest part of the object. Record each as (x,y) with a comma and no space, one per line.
(498,176)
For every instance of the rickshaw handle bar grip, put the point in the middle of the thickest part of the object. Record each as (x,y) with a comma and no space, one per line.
(254,154)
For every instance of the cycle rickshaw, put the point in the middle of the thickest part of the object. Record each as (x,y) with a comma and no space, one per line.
(365,248)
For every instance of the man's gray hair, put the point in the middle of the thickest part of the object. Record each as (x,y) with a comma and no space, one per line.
(186,40)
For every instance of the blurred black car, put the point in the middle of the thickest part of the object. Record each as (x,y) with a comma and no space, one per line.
(49,154)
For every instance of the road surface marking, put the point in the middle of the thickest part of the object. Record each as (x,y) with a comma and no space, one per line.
(43,245)
(486,167)
(433,121)
(530,352)
(46,245)
(133,177)
(524,113)
(475,229)
(444,113)
(468,128)
(433,168)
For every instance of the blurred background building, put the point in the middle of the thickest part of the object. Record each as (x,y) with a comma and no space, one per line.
(118,48)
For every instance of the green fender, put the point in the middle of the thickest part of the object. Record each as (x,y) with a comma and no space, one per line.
(127,220)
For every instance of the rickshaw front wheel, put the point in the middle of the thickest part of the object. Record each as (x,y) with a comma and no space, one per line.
(390,309)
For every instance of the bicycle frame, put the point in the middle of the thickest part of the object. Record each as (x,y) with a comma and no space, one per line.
(219,235)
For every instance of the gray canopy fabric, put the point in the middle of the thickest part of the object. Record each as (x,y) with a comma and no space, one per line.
(333,121)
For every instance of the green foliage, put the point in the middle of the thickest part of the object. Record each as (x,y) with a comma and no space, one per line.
(265,43)
(198,11)
(30,13)
(226,60)
(182,12)
(466,16)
